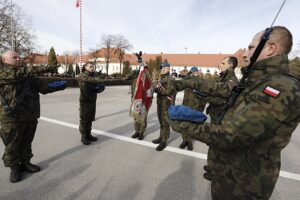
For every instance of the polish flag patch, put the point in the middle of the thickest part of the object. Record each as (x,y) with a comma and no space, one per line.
(271,91)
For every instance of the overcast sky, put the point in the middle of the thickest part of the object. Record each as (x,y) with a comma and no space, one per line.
(154,26)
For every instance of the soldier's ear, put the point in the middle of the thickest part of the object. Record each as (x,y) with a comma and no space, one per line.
(271,49)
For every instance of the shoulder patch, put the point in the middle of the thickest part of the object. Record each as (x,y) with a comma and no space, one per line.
(271,91)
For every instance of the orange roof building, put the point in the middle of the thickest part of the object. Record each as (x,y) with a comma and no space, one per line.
(206,62)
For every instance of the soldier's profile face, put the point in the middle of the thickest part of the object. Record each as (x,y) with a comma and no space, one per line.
(90,68)
(251,48)
(12,58)
(224,65)
(195,73)
(165,70)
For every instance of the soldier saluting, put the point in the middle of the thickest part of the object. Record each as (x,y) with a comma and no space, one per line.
(89,87)
(19,111)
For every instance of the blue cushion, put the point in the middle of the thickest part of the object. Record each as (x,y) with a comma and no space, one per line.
(57,84)
(185,113)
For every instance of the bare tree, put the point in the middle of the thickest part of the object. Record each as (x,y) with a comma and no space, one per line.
(94,54)
(16,28)
(122,45)
(107,41)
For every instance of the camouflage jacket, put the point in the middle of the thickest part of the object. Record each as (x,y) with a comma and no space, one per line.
(216,104)
(87,83)
(208,75)
(248,143)
(32,98)
(133,75)
(214,89)
(20,89)
(167,92)
(12,87)
(191,99)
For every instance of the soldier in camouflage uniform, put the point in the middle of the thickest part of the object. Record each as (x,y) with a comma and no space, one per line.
(216,104)
(88,97)
(132,76)
(183,72)
(248,143)
(208,75)
(215,76)
(140,128)
(18,114)
(193,101)
(165,90)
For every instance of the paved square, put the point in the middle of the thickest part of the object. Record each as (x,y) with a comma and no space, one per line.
(117,167)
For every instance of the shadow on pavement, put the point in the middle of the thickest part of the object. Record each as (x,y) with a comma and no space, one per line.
(180,185)
(111,114)
(40,191)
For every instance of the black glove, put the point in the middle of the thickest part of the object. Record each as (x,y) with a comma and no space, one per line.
(99,88)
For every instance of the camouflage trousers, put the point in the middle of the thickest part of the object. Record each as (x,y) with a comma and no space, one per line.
(140,127)
(17,138)
(85,127)
(162,113)
(241,178)
(186,137)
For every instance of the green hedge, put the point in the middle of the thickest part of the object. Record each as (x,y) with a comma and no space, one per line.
(73,82)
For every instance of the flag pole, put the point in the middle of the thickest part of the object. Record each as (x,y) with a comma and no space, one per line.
(80,4)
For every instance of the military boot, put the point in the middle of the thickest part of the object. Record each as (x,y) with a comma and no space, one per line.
(85,140)
(156,141)
(29,167)
(161,146)
(183,144)
(190,145)
(207,176)
(141,136)
(91,138)
(135,135)
(15,174)
(207,168)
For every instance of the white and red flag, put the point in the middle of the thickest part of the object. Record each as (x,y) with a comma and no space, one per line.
(78,3)
(143,95)
(271,91)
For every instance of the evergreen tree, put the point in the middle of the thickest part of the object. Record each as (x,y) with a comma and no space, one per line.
(294,67)
(70,70)
(158,61)
(52,60)
(126,68)
(77,69)
(52,57)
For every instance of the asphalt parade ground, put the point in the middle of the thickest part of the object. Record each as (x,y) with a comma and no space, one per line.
(117,167)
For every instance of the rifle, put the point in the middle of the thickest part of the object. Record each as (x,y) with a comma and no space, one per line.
(159,85)
(237,90)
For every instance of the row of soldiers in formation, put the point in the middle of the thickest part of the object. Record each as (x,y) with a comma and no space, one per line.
(244,149)
(245,144)
(190,99)
(183,73)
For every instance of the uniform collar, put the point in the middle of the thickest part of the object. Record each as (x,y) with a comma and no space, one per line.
(274,65)
(89,73)
(164,75)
